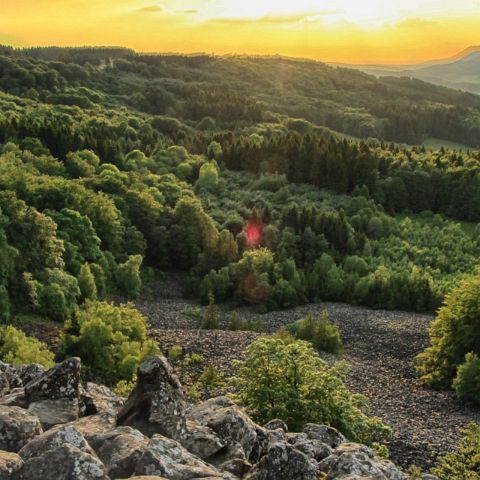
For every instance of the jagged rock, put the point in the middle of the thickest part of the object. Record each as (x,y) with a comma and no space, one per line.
(352,459)
(17,427)
(333,438)
(284,461)
(99,399)
(4,383)
(9,463)
(296,437)
(64,463)
(60,382)
(314,449)
(119,450)
(231,459)
(202,441)
(157,403)
(94,424)
(429,476)
(166,457)
(265,439)
(28,373)
(227,421)
(58,436)
(276,424)
(56,411)
(16,398)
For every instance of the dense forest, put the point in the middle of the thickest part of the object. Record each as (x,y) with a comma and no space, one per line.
(267,182)
(116,167)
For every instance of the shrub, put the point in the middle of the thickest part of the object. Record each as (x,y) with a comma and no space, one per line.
(210,319)
(467,381)
(128,276)
(4,304)
(86,283)
(18,349)
(210,378)
(463,464)
(288,380)
(454,333)
(110,340)
(319,331)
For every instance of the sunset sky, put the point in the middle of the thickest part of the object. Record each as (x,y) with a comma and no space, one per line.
(351,31)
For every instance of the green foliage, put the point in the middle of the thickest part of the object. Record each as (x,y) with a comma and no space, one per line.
(18,349)
(86,283)
(175,353)
(210,318)
(454,333)
(111,341)
(192,359)
(319,331)
(464,463)
(128,276)
(288,380)
(210,378)
(467,381)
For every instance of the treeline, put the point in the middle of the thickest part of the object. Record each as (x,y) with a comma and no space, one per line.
(401,180)
(246,89)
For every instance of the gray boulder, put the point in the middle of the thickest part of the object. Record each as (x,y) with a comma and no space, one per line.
(202,441)
(17,427)
(166,457)
(60,382)
(276,424)
(284,461)
(9,463)
(351,459)
(157,403)
(64,463)
(54,396)
(314,449)
(328,435)
(119,450)
(99,399)
(53,439)
(227,420)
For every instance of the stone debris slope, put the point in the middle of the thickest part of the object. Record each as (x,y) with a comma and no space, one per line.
(54,427)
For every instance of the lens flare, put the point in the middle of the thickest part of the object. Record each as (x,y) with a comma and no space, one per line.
(253,232)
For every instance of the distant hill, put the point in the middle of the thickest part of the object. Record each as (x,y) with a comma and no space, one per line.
(237,90)
(461,71)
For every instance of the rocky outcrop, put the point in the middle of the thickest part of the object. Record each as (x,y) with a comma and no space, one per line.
(157,404)
(17,428)
(156,435)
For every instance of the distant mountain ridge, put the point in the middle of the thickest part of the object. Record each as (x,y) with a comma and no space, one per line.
(461,72)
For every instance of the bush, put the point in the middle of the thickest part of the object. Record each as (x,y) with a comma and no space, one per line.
(467,381)
(18,349)
(288,380)
(463,464)
(110,340)
(128,276)
(86,283)
(454,333)
(319,331)
(210,319)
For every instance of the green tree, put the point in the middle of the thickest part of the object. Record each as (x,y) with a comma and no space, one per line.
(210,319)
(453,334)
(18,349)
(287,379)
(128,276)
(464,463)
(86,283)
(110,340)
(467,381)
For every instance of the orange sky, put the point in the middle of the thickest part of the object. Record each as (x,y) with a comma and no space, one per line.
(350,31)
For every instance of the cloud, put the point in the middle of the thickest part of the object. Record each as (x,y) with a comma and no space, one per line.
(150,9)
(278,19)
(187,12)
(416,23)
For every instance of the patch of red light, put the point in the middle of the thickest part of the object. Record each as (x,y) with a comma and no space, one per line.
(253,232)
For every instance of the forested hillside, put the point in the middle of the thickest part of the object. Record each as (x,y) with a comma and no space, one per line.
(247,89)
(116,168)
